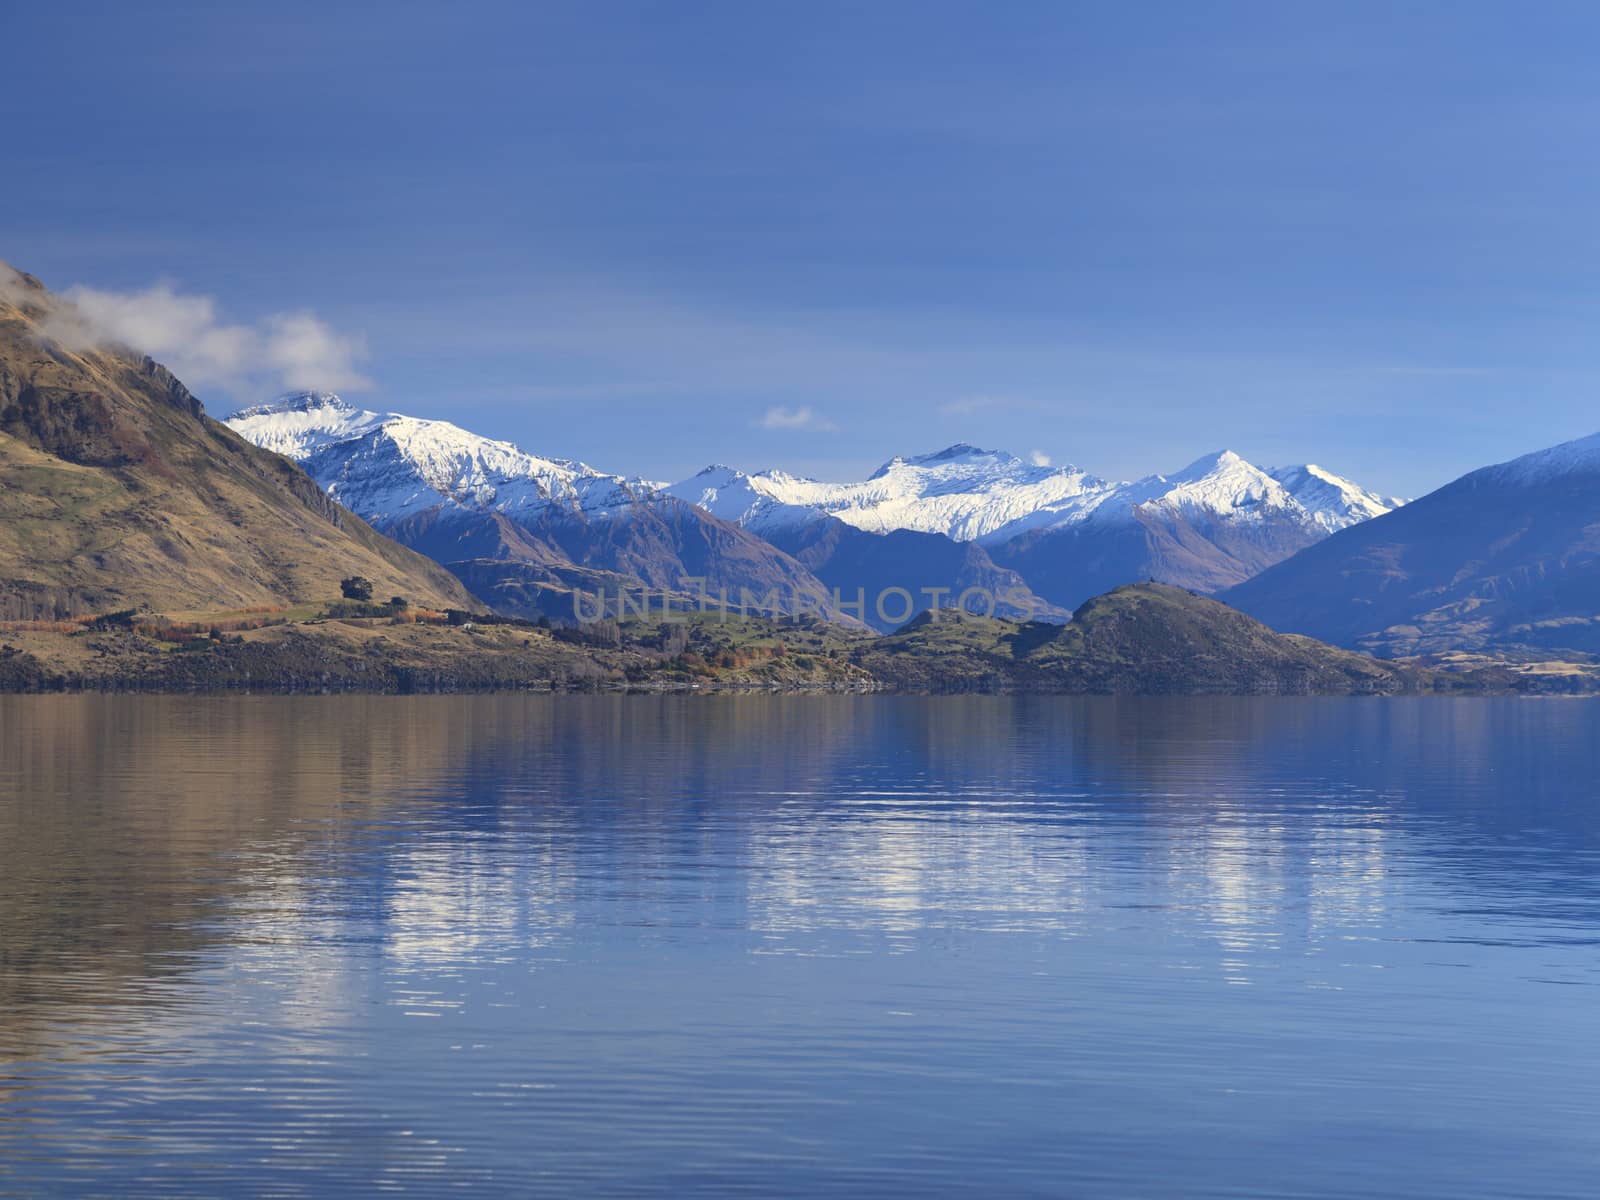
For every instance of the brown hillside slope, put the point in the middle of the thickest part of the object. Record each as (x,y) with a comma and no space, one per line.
(116,490)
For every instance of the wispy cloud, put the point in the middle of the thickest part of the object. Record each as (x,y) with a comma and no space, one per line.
(1039,458)
(803,419)
(306,352)
(187,332)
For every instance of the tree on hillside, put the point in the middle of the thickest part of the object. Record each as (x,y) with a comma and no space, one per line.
(356,588)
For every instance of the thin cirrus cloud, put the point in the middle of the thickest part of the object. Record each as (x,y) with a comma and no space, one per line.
(188,334)
(804,419)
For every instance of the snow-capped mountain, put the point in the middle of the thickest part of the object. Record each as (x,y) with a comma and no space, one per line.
(1580,457)
(520,529)
(965,493)
(1506,556)
(963,518)
(386,467)
(1333,502)
(301,423)
(1069,533)
(991,497)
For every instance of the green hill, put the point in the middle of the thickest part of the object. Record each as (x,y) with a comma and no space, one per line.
(1143,638)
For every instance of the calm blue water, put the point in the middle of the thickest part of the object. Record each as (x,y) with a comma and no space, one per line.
(760,946)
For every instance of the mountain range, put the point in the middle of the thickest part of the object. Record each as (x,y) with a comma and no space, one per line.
(1014,538)
(132,524)
(989,496)
(1069,534)
(1505,558)
(521,530)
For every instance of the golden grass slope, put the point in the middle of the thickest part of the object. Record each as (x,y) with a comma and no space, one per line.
(116,491)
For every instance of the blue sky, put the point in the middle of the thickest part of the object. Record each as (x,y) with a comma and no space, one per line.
(815,235)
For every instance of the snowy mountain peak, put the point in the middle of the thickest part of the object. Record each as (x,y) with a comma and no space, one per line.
(1218,485)
(972,494)
(386,466)
(1333,501)
(1582,455)
(1218,462)
(961,458)
(299,424)
(758,502)
(295,402)
(961,452)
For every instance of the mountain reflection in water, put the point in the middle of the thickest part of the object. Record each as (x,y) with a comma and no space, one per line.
(781,944)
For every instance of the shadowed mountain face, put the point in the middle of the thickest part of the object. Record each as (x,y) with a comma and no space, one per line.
(1506,556)
(1189,549)
(523,531)
(867,568)
(116,490)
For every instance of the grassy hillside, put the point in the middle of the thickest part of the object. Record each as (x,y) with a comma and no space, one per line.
(1142,639)
(116,490)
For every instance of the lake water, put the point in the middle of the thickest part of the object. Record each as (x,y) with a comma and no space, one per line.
(782,945)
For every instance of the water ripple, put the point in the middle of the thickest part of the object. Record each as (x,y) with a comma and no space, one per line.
(785,945)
